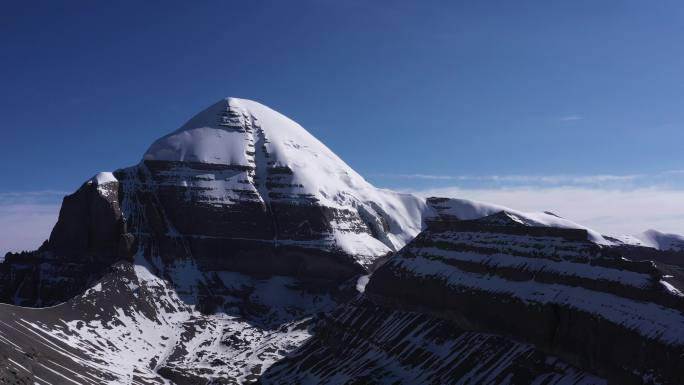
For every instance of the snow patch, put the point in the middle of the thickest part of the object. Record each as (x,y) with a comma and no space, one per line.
(649,319)
(671,289)
(465,209)
(661,241)
(260,142)
(102,178)
(362,282)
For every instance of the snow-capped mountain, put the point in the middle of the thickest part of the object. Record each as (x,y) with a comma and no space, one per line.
(228,238)
(450,210)
(492,295)
(239,152)
(241,249)
(552,286)
(661,241)
(654,239)
(239,187)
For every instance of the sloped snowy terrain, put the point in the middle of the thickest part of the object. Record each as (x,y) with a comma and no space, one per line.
(134,327)
(370,344)
(265,157)
(661,241)
(654,239)
(553,287)
(450,209)
(241,249)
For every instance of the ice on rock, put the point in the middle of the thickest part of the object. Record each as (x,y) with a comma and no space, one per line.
(465,209)
(661,241)
(244,134)
(103,177)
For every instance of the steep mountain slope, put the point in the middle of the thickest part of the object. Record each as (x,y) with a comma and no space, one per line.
(90,235)
(666,250)
(233,252)
(549,286)
(134,328)
(228,240)
(241,152)
(240,188)
(654,239)
(365,343)
(495,296)
(450,210)
(662,241)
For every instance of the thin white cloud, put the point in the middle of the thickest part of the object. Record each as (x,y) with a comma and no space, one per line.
(520,178)
(27,218)
(41,196)
(25,226)
(38,193)
(671,179)
(610,211)
(570,118)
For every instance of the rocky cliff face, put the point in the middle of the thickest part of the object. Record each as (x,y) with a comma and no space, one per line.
(133,327)
(490,296)
(240,188)
(91,234)
(206,262)
(240,170)
(232,251)
(367,343)
(551,287)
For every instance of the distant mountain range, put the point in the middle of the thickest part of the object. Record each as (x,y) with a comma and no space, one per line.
(242,250)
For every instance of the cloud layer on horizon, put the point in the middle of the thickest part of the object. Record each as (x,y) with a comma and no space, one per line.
(673,179)
(610,211)
(27,218)
(611,204)
(25,226)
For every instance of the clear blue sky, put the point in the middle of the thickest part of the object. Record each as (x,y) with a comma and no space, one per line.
(476,87)
(396,88)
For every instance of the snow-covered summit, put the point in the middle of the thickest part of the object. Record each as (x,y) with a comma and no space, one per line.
(102,178)
(661,241)
(231,131)
(289,162)
(464,209)
(265,154)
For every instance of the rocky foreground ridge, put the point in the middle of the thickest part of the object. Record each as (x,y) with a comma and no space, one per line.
(241,249)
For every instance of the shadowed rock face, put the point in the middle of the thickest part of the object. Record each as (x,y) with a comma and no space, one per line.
(89,236)
(176,219)
(238,188)
(365,343)
(162,222)
(230,254)
(133,327)
(90,224)
(567,296)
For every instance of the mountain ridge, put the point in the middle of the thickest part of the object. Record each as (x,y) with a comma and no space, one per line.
(240,249)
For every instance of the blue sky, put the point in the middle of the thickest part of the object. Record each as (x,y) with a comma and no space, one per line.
(467,97)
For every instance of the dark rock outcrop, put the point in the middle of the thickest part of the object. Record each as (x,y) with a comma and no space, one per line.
(364,343)
(134,327)
(90,235)
(220,258)
(238,188)
(553,288)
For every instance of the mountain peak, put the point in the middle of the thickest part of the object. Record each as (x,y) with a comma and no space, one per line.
(241,132)
(239,150)
(231,252)
(661,241)
(232,112)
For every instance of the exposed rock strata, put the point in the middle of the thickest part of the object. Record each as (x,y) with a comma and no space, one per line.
(549,287)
